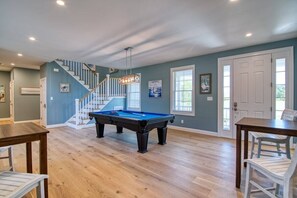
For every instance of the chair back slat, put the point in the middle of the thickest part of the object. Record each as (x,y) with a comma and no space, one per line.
(289,114)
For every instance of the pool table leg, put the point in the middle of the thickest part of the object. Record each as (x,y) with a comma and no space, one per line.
(119,129)
(162,134)
(142,139)
(100,130)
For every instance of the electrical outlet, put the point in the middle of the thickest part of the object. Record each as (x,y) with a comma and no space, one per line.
(182,121)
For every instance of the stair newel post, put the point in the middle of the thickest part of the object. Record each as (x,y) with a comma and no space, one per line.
(76,112)
(107,85)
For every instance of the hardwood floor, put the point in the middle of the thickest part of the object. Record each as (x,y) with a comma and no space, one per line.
(189,165)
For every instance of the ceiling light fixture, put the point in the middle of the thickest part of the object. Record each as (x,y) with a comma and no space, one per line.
(60,2)
(248,34)
(19,54)
(129,78)
(233,0)
(12,64)
(31,38)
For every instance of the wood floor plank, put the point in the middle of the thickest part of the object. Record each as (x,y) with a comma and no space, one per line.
(189,165)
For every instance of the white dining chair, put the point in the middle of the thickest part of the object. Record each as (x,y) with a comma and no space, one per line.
(262,138)
(7,153)
(282,171)
(16,185)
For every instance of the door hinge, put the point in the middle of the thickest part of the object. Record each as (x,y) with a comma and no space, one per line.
(271,84)
(271,60)
(271,109)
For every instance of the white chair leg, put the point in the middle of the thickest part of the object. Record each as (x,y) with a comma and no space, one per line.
(253,147)
(247,181)
(259,148)
(10,158)
(40,189)
(288,189)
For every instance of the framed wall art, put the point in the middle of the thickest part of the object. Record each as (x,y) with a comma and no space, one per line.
(64,87)
(155,88)
(2,93)
(205,83)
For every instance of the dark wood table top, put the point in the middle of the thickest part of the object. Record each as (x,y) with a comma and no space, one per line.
(20,130)
(269,124)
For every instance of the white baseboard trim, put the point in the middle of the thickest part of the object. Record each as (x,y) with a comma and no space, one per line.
(55,125)
(4,119)
(210,133)
(24,121)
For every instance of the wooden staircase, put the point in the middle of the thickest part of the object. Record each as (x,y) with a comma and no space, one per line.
(96,100)
(99,95)
(82,72)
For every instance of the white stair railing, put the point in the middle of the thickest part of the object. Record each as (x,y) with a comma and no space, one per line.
(98,96)
(83,71)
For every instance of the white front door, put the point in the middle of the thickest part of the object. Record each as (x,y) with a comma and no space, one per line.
(11,102)
(252,87)
(43,102)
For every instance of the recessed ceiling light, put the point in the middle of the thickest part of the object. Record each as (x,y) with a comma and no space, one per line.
(60,2)
(233,0)
(19,54)
(248,34)
(12,64)
(31,38)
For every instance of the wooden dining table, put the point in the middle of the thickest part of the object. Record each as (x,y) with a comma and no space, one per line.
(281,127)
(11,134)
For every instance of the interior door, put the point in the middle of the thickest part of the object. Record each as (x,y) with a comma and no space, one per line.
(11,102)
(43,102)
(252,88)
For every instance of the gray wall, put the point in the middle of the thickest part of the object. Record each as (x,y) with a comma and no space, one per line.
(206,111)
(26,107)
(4,107)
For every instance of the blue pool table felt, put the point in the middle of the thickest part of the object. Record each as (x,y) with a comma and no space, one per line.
(132,114)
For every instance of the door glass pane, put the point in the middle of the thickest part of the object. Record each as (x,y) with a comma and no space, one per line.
(280,87)
(226,95)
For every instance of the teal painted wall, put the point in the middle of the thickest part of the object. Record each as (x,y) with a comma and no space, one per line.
(62,105)
(205,111)
(26,107)
(4,106)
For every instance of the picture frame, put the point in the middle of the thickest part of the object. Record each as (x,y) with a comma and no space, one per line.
(2,94)
(205,83)
(155,88)
(64,87)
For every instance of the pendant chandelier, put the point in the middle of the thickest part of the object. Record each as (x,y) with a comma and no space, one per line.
(129,78)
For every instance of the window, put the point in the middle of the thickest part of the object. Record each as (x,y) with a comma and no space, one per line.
(227,97)
(280,87)
(182,98)
(133,96)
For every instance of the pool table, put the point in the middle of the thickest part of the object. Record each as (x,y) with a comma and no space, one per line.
(140,122)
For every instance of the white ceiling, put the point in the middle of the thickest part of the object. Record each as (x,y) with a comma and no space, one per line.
(97,31)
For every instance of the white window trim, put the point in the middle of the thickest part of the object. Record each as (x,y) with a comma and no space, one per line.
(135,109)
(229,59)
(174,69)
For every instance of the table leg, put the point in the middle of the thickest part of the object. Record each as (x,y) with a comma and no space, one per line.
(162,134)
(43,160)
(238,156)
(119,129)
(100,130)
(142,139)
(29,157)
(246,146)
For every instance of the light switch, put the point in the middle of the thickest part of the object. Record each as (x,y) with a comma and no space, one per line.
(210,98)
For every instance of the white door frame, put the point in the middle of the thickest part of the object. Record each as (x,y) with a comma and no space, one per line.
(11,100)
(43,104)
(229,60)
